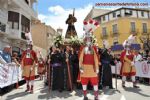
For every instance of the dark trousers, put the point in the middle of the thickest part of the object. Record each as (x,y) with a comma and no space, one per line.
(106,75)
(58,78)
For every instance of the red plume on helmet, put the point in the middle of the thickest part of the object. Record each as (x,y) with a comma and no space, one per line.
(90,26)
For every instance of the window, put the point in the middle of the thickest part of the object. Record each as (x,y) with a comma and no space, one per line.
(16,25)
(25,23)
(103,18)
(114,28)
(13,20)
(104,31)
(142,13)
(132,26)
(130,12)
(2,27)
(114,15)
(144,27)
(48,34)
(23,35)
(27,2)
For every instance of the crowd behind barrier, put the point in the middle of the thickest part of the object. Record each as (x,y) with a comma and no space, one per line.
(11,73)
(142,69)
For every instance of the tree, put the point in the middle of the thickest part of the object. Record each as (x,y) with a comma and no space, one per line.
(146,41)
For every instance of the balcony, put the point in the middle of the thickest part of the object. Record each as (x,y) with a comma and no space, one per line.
(134,31)
(104,36)
(114,34)
(26,7)
(13,34)
(146,32)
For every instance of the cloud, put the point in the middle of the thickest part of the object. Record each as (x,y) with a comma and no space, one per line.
(58,16)
(42,17)
(57,10)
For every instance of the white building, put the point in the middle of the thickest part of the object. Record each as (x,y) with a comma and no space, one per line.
(15,20)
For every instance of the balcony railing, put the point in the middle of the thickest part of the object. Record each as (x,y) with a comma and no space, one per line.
(114,34)
(134,31)
(14,33)
(145,32)
(104,36)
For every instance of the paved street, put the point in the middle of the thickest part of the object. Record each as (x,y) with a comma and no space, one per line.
(41,93)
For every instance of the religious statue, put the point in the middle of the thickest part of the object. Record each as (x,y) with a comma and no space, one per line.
(71,31)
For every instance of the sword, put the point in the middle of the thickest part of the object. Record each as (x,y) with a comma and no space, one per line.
(69,76)
(49,77)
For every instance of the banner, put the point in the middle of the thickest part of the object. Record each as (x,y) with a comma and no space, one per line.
(116,69)
(142,69)
(9,74)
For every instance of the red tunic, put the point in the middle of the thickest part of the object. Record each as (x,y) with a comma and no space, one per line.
(41,67)
(127,69)
(89,63)
(29,58)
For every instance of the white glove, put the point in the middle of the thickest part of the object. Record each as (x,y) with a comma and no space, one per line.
(132,63)
(31,68)
(81,70)
(97,71)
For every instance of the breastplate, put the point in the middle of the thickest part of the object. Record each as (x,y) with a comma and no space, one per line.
(87,50)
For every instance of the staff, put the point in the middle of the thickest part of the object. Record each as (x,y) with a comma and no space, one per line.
(69,75)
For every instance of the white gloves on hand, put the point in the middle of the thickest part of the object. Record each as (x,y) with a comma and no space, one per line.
(31,68)
(81,70)
(132,63)
(97,71)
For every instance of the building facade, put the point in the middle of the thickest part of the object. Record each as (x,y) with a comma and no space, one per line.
(43,37)
(95,13)
(115,26)
(15,21)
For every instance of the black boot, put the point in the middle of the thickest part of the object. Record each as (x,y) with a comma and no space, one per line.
(96,98)
(134,85)
(85,98)
(31,90)
(123,84)
(28,88)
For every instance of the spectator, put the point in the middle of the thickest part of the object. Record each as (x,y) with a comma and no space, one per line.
(2,61)
(15,59)
(137,56)
(6,54)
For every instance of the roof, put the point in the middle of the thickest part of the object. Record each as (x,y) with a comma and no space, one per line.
(111,11)
(96,12)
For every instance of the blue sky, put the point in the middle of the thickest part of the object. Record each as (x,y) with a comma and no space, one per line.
(55,12)
(44,4)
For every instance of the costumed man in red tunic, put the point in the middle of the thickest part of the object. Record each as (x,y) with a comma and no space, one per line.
(127,59)
(41,67)
(89,65)
(28,62)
